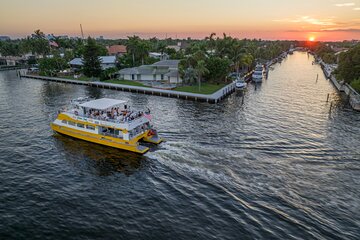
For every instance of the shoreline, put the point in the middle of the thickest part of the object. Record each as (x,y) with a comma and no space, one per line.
(215,97)
(354,96)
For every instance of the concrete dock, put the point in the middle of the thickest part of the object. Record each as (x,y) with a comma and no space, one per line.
(210,98)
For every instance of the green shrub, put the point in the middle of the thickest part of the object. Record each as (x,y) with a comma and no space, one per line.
(356,85)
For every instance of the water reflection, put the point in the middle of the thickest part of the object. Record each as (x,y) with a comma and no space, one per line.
(97,159)
(52,92)
(94,92)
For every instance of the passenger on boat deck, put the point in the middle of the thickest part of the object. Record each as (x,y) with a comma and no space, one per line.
(120,118)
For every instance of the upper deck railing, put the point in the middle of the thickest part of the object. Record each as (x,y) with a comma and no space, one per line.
(126,123)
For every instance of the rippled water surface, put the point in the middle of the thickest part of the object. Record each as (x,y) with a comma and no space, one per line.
(278,166)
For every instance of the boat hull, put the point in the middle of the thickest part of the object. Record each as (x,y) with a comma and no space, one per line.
(100,139)
(257,80)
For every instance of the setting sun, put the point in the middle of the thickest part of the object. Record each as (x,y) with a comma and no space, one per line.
(311,39)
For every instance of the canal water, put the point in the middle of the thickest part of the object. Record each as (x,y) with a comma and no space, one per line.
(279,166)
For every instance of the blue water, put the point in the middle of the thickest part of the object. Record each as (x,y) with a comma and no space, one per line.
(280,166)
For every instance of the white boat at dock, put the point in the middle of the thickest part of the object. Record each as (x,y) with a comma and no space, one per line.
(258,74)
(240,84)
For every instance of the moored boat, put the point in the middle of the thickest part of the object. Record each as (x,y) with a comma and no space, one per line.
(240,84)
(108,122)
(258,74)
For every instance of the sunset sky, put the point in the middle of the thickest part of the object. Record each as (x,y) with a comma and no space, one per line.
(275,19)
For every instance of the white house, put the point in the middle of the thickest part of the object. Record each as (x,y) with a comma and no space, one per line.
(166,70)
(160,56)
(106,62)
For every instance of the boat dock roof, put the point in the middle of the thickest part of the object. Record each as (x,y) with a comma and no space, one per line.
(102,103)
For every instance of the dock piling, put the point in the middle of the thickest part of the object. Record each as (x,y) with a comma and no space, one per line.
(327,99)
(331,105)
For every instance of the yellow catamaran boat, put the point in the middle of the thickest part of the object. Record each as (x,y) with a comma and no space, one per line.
(108,122)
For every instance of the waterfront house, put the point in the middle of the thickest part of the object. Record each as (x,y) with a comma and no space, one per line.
(159,56)
(106,62)
(5,38)
(164,71)
(175,47)
(116,50)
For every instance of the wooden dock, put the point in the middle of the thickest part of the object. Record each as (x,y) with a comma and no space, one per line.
(210,98)
(8,68)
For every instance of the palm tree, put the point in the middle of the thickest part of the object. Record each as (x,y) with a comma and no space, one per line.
(201,70)
(143,50)
(161,47)
(189,76)
(247,60)
(237,53)
(132,46)
(211,42)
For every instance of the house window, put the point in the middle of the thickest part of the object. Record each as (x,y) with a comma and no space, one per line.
(132,76)
(154,77)
(162,76)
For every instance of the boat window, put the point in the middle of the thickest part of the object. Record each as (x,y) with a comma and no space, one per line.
(64,121)
(117,132)
(71,123)
(80,125)
(90,127)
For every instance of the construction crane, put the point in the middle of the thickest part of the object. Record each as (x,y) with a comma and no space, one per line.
(82,33)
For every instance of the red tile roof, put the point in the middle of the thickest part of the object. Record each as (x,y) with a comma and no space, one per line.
(116,49)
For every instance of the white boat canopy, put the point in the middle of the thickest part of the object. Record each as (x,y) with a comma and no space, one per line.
(102,103)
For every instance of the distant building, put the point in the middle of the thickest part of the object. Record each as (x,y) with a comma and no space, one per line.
(106,62)
(175,47)
(159,56)
(4,38)
(166,71)
(50,37)
(116,50)
(183,45)
(63,37)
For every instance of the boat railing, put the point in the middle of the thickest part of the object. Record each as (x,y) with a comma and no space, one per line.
(104,119)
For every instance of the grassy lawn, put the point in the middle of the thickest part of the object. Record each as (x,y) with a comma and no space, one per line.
(206,88)
(356,85)
(126,82)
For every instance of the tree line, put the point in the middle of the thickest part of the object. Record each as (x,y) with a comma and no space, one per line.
(349,67)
